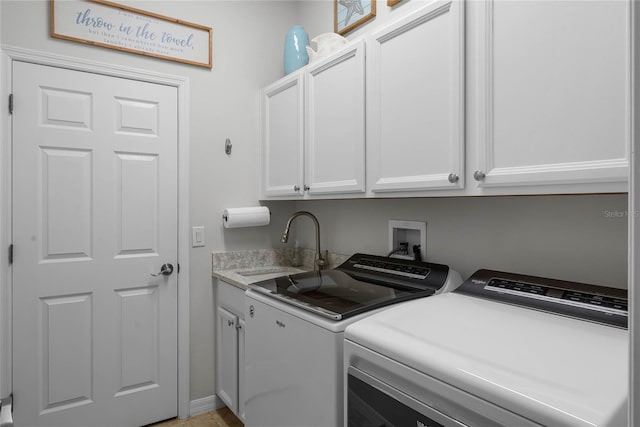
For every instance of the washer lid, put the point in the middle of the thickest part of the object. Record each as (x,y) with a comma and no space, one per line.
(552,369)
(333,293)
(362,283)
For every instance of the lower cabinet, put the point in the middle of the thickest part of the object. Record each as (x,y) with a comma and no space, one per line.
(230,347)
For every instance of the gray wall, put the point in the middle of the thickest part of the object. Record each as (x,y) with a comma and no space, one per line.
(578,238)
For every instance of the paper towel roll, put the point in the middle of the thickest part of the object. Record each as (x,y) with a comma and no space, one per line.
(246,217)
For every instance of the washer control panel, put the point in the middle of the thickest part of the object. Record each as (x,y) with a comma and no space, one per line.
(406,270)
(396,272)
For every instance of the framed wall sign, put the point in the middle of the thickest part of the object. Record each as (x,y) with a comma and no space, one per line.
(348,14)
(111,25)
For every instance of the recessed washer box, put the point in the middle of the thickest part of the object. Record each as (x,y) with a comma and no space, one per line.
(411,232)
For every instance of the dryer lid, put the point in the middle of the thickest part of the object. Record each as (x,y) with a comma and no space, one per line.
(554,370)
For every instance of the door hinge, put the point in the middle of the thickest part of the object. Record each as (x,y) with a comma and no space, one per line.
(10,103)
(11,254)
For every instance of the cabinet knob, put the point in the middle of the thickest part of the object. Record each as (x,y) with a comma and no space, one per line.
(296,188)
(230,322)
(478,175)
(306,188)
(453,178)
(238,325)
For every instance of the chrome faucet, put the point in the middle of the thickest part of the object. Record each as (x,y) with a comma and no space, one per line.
(319,261)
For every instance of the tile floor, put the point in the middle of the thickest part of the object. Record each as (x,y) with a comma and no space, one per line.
(219,418)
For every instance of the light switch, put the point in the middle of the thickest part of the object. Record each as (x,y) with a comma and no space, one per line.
(197,238)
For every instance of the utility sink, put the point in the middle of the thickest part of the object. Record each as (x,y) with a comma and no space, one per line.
(266,273)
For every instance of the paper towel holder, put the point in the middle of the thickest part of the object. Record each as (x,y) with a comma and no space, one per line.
(246,217)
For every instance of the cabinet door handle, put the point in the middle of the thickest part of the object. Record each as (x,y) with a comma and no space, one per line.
(296,188)
(306,188)
(238,325)
(453,178)
(230,322)
(478,175)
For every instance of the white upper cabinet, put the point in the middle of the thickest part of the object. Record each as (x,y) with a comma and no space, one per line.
(553,94)
(282,153)
(415,101)
(538,101)
(335,123)
(313,135)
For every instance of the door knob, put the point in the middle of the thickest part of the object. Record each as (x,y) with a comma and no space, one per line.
(165,270)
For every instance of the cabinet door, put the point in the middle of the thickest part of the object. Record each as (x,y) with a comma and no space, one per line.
(554,85)
(282,153)
(241,370)
(293,365)
(227,358)
(415,100)
(335,123)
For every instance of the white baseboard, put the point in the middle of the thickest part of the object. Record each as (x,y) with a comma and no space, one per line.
(205,404)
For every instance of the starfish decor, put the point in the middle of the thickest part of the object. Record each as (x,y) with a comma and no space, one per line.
(352,6)
(349,14)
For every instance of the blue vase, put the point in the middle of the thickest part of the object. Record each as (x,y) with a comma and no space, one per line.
(295,52)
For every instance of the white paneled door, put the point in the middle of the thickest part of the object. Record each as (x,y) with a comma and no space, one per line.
(94,218)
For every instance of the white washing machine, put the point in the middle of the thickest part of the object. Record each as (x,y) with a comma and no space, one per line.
(501,350)
(294,333)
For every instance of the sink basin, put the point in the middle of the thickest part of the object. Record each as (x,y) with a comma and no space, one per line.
(266,273)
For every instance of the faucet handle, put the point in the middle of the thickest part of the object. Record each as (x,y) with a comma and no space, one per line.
(322,261)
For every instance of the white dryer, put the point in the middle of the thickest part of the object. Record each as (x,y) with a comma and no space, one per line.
(501,350)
